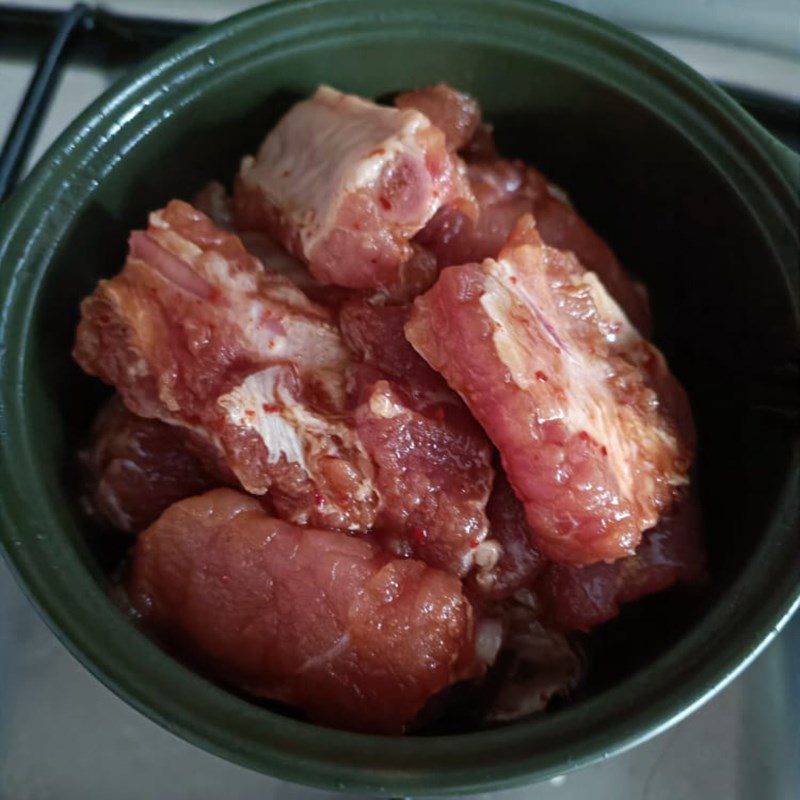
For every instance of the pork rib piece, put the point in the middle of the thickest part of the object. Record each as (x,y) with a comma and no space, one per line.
(454,113)
(585,442)
(136,467)
(196,332)
(320,620)
(504,191)
(433,463)
(345,183)
(578,598)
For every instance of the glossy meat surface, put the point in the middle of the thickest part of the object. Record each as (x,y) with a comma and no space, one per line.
(578,598)
(584,440)
(433,463)
(345,184)
(504,191)
(321,620)
(433,473)
(135,468)
(454,113)
(196,332)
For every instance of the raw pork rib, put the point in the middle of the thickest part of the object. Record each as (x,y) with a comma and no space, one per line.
(454,113)
(317,619)
(136,467)
(433,463)
(584,440)
(195,332)
(505,190)
(345,183)
(578,598)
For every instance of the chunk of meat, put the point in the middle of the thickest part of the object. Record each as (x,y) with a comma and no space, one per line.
(454,113)
(505,190)
(135,468)
(433,471)
(279,261)
(516,562)
(432,461)
(195,332)
(374,331)
(345,183)
(319,620)
(578,598)
(585,442)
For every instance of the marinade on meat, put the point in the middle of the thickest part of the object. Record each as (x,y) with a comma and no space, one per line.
(587,445)
(135,468)
(331,623)
(345,183)
(388,425)
(196,332)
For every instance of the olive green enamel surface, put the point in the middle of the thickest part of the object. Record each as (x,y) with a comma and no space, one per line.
(695,197)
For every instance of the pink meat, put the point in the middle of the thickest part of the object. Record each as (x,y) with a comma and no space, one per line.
(433,472)
(433,467)
(195,332)
(323,621)
(578,598)
(517,562)
(374,331)
(505,190)
(345,184)
(585,442)
(136,468)
(454,113)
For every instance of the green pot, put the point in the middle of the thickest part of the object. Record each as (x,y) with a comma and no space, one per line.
(695,196)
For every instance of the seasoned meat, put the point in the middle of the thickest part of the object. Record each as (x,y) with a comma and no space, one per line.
(578,598)
(584,440)
(196,332)
(345,183)
(504,191)
(136,467)
(433,463)
(324,621)
(454,113)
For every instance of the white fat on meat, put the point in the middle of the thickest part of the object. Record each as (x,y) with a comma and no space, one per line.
(328,146)
(260,404)
(265,403)
(589,403)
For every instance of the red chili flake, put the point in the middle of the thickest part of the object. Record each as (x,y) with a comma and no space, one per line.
(541,376)
(250,413)
(386,204)
(269,408)
(603,450)
(319,500)
(514,279)
(214,294)
(583,436)
(378,151)
(418,534)
(356,226)
(473,543)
